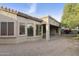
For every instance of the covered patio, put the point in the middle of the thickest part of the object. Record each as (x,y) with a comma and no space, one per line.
(54,30)
(51,27)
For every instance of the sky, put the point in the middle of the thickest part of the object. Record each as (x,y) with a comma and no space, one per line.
(38,9)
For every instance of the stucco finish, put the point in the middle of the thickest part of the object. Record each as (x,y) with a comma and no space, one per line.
(10,17)
(49,21)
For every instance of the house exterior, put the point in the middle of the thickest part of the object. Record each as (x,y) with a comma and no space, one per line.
(17,27)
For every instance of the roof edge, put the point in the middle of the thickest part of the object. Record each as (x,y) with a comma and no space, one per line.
(28,16)
(51,18)
(18,13)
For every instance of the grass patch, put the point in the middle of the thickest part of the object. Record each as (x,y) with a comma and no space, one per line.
(76,37)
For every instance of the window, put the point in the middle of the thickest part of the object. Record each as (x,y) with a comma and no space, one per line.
(10,28)
(7,28)
(3,28)
(38,29)
(22,29)
(29,30)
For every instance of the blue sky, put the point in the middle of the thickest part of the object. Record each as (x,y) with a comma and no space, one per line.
(38,9)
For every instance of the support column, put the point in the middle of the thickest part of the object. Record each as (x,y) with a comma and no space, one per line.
(59,31)
(42,31)
(48,31)
(34,30)
(25,29)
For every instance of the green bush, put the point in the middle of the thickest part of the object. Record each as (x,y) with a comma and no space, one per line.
(77,37)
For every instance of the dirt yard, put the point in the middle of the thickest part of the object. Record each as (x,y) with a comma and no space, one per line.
(57,46)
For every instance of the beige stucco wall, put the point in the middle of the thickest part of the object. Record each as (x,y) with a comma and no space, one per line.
(24,38)
(53,22)
(11,15)
(4,18)
(45,20)
(8,17)
(49,21)
(8,40)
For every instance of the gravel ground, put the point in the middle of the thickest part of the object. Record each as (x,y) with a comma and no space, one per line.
(57,46)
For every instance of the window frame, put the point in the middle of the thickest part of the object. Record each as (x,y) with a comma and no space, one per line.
(7,30)
(9,34)
(33,29)
(2,28)
(25,29)
(38,29)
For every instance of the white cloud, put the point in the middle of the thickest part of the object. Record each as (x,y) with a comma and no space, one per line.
(33,8)
(57,17)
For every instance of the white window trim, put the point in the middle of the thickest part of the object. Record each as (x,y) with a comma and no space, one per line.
(19,29)
(33,29)
(7,31)
(39,27)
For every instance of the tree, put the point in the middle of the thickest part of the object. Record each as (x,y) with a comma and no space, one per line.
(70,16)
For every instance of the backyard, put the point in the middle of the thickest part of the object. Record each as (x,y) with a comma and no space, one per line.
(57,46)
